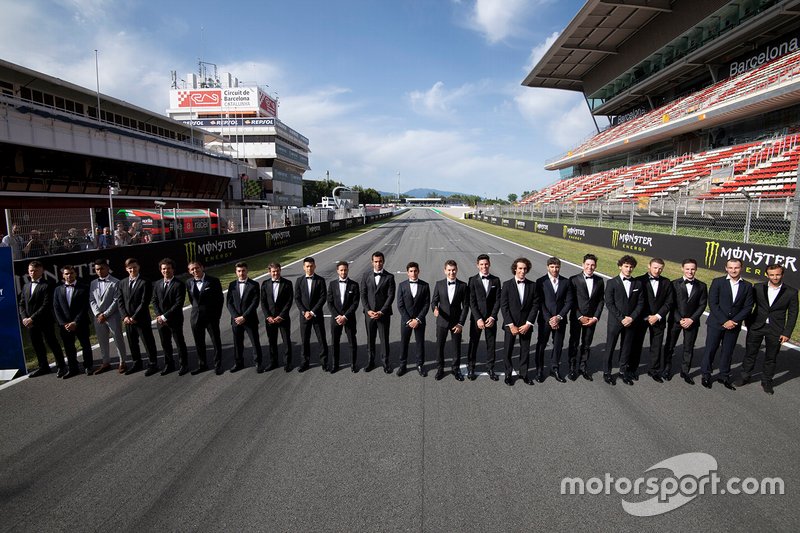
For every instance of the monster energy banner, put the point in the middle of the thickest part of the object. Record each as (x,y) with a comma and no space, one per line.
(211,250)
(709,253)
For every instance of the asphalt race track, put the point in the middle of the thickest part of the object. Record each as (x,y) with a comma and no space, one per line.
(377,452)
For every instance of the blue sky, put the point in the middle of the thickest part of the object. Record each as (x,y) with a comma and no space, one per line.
(430,89)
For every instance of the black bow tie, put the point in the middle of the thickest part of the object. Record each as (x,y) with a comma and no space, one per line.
(588,277)
(484,277)
(309,277)
(102,280)
(520,282)
(414,282)
(342,281)
(377,273)
(242,282)
(71,285)
(275,281)
(688,281)
(35,281)
(653,279)
(626,279)
(451,282)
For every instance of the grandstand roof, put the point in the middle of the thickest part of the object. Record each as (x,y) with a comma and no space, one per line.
(608,37)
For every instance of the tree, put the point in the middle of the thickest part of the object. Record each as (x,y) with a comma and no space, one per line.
(512,197)
(313,191)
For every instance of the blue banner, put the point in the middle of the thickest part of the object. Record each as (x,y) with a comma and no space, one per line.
(11,355)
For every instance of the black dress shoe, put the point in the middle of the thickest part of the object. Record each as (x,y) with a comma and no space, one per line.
(439,374)
(72,372)
(767,386)
(199,370)
(706,382)
(134,368)
(627,379)
(387,369)
(62,372)
(727,384)
(472,376)
(303,367)
(218,370)
(656,378)
(334,369)
(586,375)
(608,378)
(529,380)
(151,370)
(370,367)
(287,368)
(687,378)
(421,371)
(89,371)
(354,369)
(573,375)
(401,370)
(540,377)
(492,375)
(168,369)
(634,376)
(182,371)
(272,366)
(556,374)
(667,376)
(509,380)
(40,372)
(743,380)
(458,375)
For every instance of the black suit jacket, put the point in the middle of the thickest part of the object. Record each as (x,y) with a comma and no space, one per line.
(619,304)
(583,303)
(352,297)
(413,307)
(484,304)
(245,305)
(551,303)
(380,297)
(782,314)
(78,309)
(686,306)
(281,306)
(136,303)
(659,303)
(211,301)
(515,312)
(39,304)
(722,305)
(450,313)
(313,301)
(169,303)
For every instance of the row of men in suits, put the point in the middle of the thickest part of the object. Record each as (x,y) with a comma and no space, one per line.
(637,306)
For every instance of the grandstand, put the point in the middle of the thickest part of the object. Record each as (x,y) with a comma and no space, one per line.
(701,100)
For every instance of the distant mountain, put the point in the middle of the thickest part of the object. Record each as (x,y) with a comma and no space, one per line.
(423,193)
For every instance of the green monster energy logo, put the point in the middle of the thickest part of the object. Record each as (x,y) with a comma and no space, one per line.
(712,253)
(268,237)
(614,238)
(564,232)
(191,251)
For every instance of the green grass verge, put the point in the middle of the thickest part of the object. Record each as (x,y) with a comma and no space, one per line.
(606,257)
(257,265)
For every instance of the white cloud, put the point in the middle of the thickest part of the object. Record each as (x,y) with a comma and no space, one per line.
(438,101)
(539,50)
(498,20)
(560,116)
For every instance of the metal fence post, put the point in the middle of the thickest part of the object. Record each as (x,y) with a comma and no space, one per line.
(630,222)
(675,219)
(746,237)
(794,220)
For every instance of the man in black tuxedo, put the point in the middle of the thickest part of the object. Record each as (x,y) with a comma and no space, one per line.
(169,295)
(377,296)
(587,308)
(344,296)
(71,308)
(519,302)
(625,304)
(450,304)
(657,297)
(242,302)
(555,293)
(205,295)
(136,294)
(772,322)
(310,295)
(413,300)
(689,299)
(276,301)
(36,311)
(484,304)
(730,300)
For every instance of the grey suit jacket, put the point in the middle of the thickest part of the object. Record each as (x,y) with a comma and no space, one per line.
(104,297)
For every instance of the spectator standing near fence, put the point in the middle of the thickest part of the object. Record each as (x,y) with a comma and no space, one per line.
(121,236)
(14,241)
(35,247)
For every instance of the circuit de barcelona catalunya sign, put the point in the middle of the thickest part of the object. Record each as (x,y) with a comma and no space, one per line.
(709,253)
